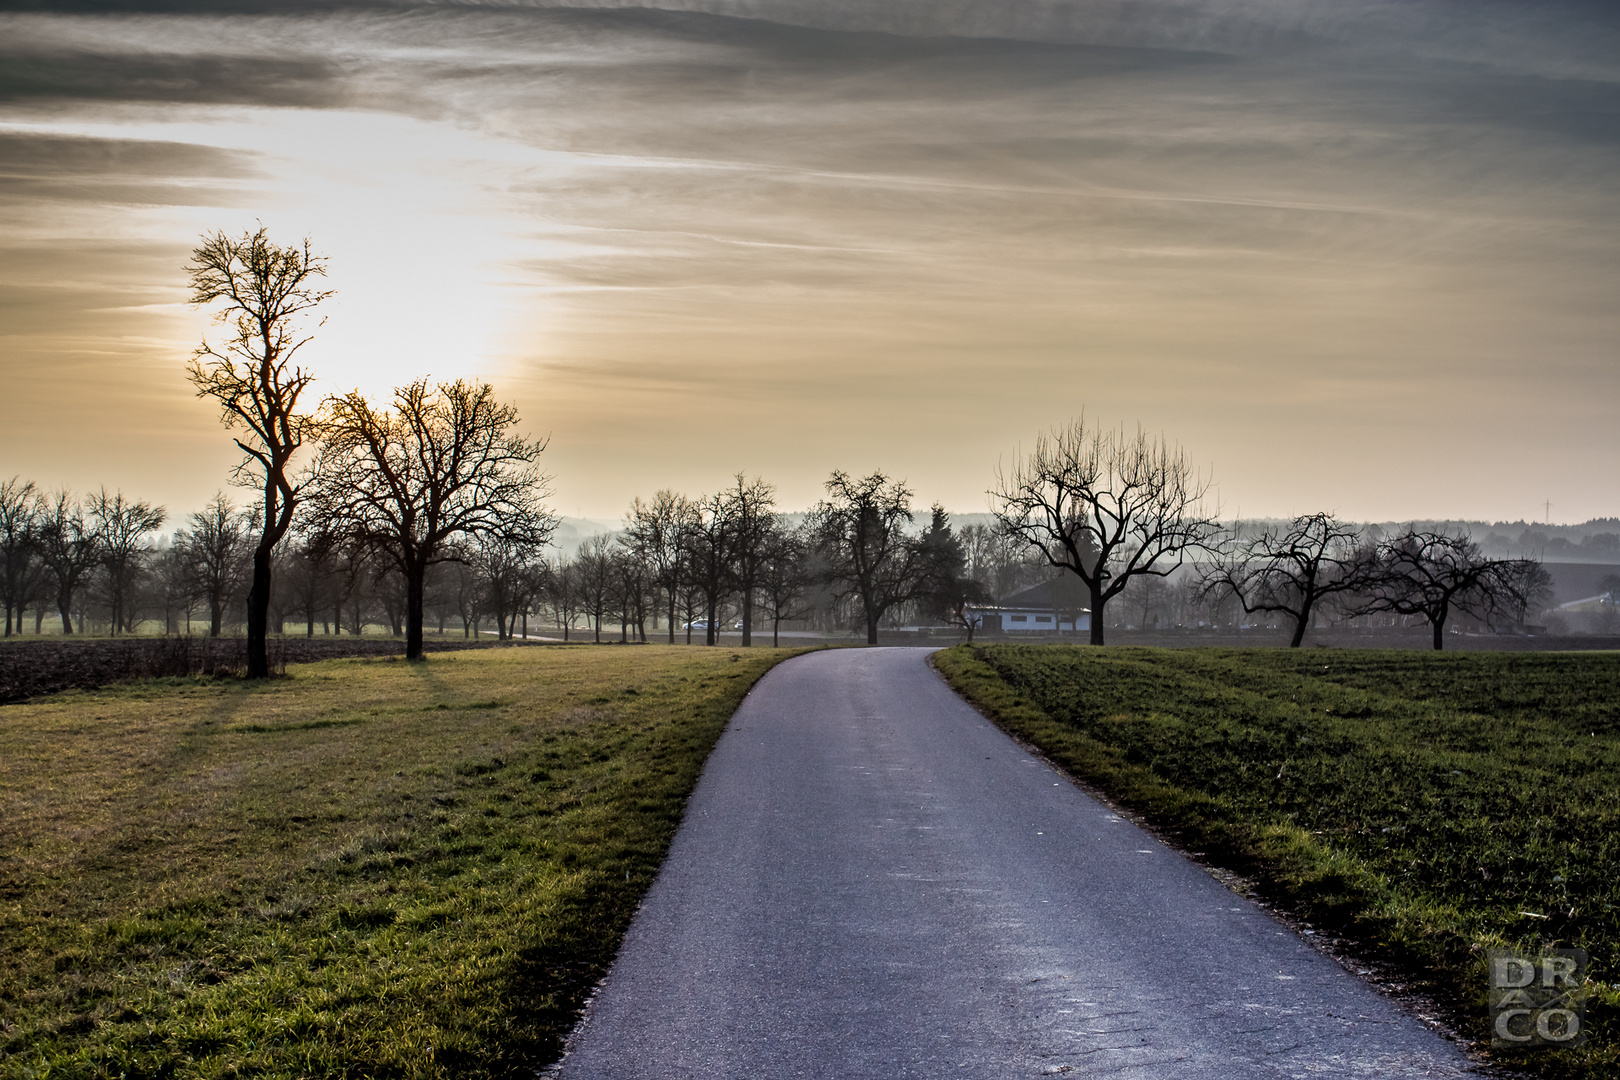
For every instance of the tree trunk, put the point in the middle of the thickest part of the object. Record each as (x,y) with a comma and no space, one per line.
(258,615)
(1299,631)
(215,616)
(64,601)
(748,617)
(1439,631)
(776,632)
(672,616)
(871,625)
(414,578)
(709,637)
(311,631)
(1097,602)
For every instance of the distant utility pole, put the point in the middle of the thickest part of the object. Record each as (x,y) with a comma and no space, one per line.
(1549,512)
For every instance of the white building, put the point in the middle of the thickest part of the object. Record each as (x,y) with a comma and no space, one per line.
(1054,607)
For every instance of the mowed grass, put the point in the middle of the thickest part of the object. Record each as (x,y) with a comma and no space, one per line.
(1427,806)
(368,868)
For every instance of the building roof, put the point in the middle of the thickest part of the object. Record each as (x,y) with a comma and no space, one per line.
(1064,593)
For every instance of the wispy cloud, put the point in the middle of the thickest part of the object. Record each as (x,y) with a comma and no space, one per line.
(923,229)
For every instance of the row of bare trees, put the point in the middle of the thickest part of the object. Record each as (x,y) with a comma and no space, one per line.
(55,546)
(1318,562)
(1117,510)
(439,478)
(416,485)
(855,557)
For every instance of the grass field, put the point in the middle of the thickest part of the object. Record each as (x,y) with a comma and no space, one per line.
(368,868)
(1425,806)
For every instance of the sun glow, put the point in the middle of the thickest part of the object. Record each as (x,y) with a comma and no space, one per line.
(423,252)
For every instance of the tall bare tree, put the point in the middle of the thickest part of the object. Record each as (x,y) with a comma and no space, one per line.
(750,508)
(417,483)
(513,575)
(1105,505)
(562,592)
(784,578)
(121,527)
(264,290)
(659,531)
(594,576)
(1288,571)
(860,530)
(711,552)
(69,546)
(217,550)
(632,589)
(19,544)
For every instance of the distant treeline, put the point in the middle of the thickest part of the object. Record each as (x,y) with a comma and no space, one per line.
(429,510)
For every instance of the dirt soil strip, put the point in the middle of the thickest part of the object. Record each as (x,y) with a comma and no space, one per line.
(872,880)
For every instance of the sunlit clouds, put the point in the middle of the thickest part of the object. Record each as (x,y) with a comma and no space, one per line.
(1358,257)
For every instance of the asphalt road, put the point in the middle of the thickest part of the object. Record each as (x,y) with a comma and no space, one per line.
(873,881)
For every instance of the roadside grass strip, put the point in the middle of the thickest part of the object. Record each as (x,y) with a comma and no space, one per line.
(367,868)
(1426,807)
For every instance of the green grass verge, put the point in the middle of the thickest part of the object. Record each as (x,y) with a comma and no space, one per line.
(368,868)
(1426,806)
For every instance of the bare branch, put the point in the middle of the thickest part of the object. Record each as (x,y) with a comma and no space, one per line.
(1105,505)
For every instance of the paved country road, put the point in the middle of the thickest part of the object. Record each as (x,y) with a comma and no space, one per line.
(873,881)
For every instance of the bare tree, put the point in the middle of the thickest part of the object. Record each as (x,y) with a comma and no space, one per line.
(172,586)
(595,574)
(418,482)
(750,509)
(1000,563)
(121,526)
(1106,506)
(711,550)
(692,603)
(265,289)
(1289,571)
(513,575)
(308,571)
(632,589)
(860,531)
(1429,574)
(784,576)
(19,543)
(562,591)
(659,532)
(69,546)
(467,586)
(498,564)
(217,551)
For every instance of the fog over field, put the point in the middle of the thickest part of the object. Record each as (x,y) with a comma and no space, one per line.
(1358,256)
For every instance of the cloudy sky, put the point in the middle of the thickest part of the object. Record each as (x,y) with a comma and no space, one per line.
(1352,255)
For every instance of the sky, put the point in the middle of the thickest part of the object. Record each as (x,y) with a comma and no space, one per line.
(1350,255)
